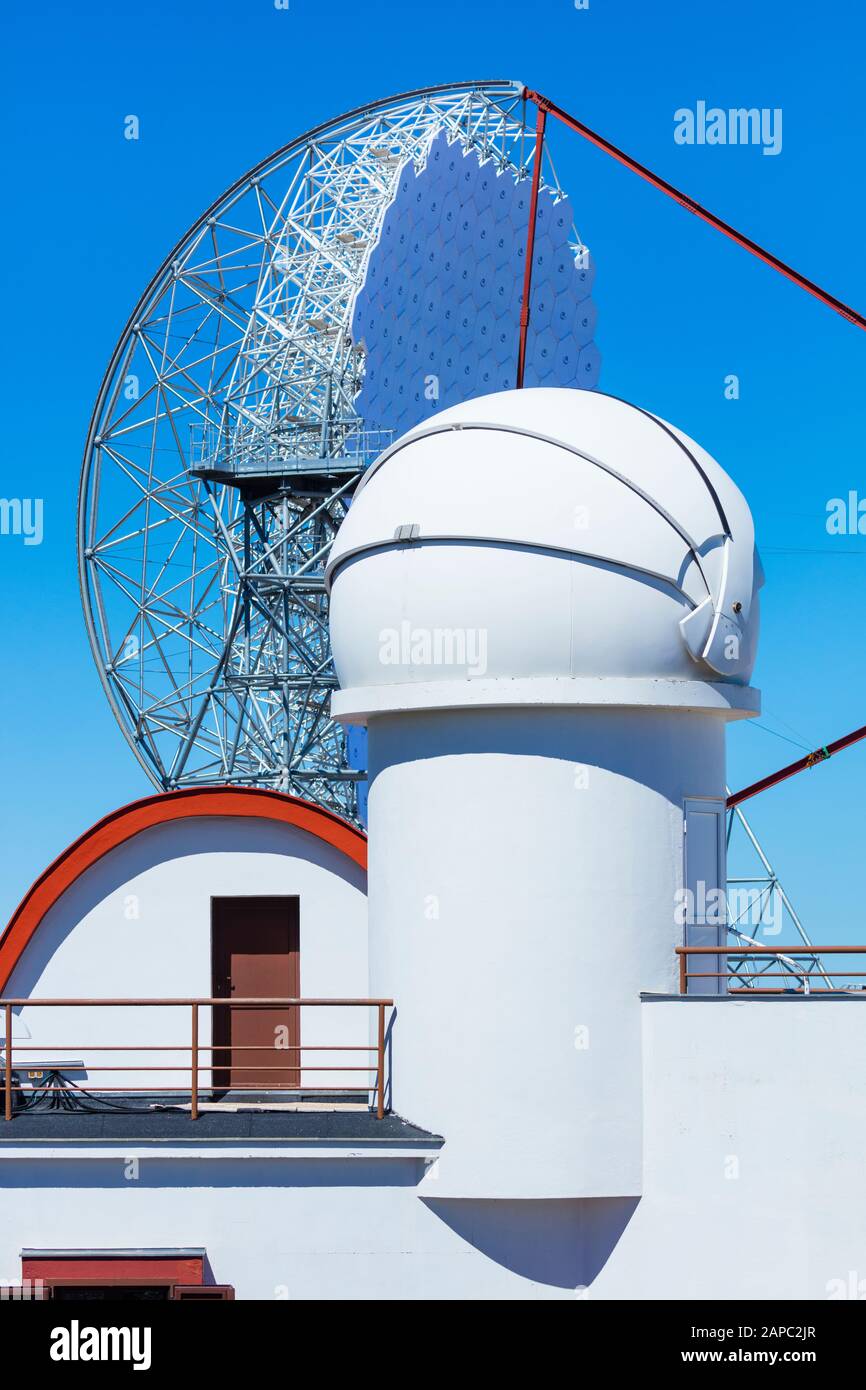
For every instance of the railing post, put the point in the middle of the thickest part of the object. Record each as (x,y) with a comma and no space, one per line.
(380,1066)
(683,976)
(194,1078)
(8,1062)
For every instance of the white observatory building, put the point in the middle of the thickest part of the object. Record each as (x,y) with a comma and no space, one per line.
(544,608)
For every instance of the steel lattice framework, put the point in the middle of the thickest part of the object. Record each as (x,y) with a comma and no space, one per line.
(758,906)
(225,445)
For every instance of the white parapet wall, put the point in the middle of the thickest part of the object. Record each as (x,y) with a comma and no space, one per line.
(754,1143)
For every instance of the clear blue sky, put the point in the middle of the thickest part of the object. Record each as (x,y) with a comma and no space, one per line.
(217,84)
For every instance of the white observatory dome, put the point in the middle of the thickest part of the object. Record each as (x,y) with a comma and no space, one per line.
(541,534)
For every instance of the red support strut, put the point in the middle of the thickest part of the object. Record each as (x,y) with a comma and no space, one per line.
(540,123)
(811,760)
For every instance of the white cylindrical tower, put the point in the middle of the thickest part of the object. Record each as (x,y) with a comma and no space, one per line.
(544,607)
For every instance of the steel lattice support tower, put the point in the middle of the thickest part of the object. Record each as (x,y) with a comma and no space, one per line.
(225,446)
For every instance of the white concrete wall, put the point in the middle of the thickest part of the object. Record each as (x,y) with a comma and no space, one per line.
(754,1143)
(303,1228)
(138,924)
(524,866)
(754,1153)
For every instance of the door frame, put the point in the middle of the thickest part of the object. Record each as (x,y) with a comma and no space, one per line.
(221,1081)
(719,806)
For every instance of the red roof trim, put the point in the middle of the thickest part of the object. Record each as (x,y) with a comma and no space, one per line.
(112,1270)
(122,825)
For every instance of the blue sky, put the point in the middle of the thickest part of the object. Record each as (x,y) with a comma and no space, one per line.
(217,84)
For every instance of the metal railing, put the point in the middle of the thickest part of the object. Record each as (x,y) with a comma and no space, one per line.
(801,968)
(252,451)
(197,1066)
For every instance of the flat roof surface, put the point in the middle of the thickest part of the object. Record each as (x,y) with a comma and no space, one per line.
(136,1252)
(291,1127)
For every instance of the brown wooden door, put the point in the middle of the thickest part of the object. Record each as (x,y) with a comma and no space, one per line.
(255,955)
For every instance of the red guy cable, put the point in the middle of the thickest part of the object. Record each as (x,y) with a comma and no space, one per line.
(691,205)
(544,105)
(540,122)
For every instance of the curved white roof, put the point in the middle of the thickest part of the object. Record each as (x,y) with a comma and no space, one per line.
(603,540)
